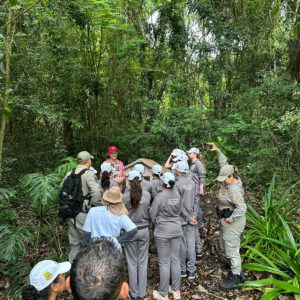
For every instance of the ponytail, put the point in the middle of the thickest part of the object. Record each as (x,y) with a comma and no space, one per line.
(201,158)
(236,173)
(105,182)
(170,184)
(31,293)
(135,192)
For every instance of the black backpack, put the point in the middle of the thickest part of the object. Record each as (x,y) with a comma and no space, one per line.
(71,197)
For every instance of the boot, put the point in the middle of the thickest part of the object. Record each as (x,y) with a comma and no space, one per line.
(242,275)
(231,282)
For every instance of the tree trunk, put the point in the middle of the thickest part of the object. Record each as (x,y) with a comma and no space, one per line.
(5,107)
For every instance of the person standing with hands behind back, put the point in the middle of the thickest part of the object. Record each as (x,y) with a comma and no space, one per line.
(165,214)
(231,210)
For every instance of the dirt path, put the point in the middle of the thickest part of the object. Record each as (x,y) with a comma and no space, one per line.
(206,284)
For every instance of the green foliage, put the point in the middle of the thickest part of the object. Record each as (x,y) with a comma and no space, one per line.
(41,189)
(273,246)
(69,164)
(14,241)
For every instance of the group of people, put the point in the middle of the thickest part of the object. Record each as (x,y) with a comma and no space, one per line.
(168,208)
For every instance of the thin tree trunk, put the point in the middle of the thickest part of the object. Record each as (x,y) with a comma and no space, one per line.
(10,31)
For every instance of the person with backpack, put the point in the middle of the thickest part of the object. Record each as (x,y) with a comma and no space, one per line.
(198,171)
(165,214)
(231,211)
(117,173)
(47,280)
(109,220)
(105,181)
(187,190)
(137,201)
(79,192)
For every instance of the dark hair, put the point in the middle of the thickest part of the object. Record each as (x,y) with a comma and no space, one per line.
(171,183)
(236,173)
(105,182)
(135,192)
(31,293)
(201,158)
(97,272)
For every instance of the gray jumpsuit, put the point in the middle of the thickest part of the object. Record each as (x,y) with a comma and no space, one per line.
(187,190)
(156,187)
(198,171)
(165,213)
(136,249)
(232,196)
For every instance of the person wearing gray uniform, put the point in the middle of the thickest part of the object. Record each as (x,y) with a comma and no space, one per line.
(187,190)
(145,184)
(165,214)
(156,182)
(172,159)
(105,178)
(90,189)
(198,172)
(137,202)
(231,210)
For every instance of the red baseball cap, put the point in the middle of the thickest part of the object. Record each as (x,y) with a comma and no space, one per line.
(112,149)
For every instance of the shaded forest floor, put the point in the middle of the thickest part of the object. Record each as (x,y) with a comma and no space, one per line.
(209,275)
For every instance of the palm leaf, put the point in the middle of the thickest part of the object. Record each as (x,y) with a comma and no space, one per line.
(14,241)
(42,189)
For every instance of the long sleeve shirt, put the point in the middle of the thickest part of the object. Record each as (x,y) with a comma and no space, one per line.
(231,196)
(140,215)
(89,184)
(186,188)
(156,187)
(165,214)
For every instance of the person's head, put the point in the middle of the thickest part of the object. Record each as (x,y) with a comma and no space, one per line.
(228,174)
(134,178)
(106,168)
(85,158)
(157,171)
(139,168)
(113,198)
(183,157)
(97,272)
(193,153)
(168,180)
(47,279)
(181,168)
(112,152)
(175,153)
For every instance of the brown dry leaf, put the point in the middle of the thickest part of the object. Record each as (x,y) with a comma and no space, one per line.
(202,289)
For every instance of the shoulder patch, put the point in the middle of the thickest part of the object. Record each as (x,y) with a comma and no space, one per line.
(239,200)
